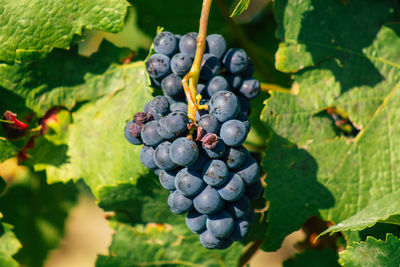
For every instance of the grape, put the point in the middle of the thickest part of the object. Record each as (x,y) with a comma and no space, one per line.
(210,67)
(250,88)
(224,105)
(149,134)
(179,106)
(239,208)
(248,72)
(208,201)
(188,44)
(215,172)
(233,132)
(146,107)
(135,140)
(220,224)
(162,158)
(209,123)
(245,120)
(176,122)
(157,172)
(160,105)
(216,45)
(233,189)
(167,179)
(199,163)
(202,90)
(234,81)
(217,83)
(249,171)
(184,151)
(181,64)
(235,60)
(155,82)
(209,241)
(226,243)
(240,230)
(235,156)
(189,182)
(216,152)
(165,43)
(181,203)
(196,221)
(254,190)
(146,157)
(158,66)
(201,112)
(162,131)
(172,85)
(244,105)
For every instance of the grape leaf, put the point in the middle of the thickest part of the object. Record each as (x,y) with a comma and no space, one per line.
(240,8)
(38,212)
(373,252)
(36,27)
(9,245)
(359,78)
(312,257)
(90,142)
(165,245)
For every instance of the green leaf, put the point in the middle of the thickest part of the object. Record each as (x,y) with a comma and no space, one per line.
(311,257)
(163,245)
(373,252)
(240,7)
(9,245)
(7,149)
(90,142)
(36,27)
(38,212)
(336,177)
(47,82)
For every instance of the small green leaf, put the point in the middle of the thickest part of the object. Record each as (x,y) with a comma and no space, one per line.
(9,245)
(240,7)
(311,257)
(373,252)
(35,27)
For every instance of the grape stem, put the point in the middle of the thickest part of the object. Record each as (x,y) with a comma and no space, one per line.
(6,121)
(191,79)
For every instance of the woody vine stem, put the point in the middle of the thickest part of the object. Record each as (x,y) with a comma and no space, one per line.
(191,79)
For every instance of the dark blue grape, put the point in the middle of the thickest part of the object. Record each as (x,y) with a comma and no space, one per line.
(235,60)
(234,157)
(167,179)
(179,106)
(233,132)
(208,201)
(250,88)
(135,140)
(172,85)
(188,44)
(146,157)
(216,84)
(196,222)
(249,171)
(160,105)
(244,105)
(248,72)
(215,172)
(157,172)
(165,43)
(189,182)
(202,90)
(184,151)
(199,163)
(181,203)
(149,134)
(162,157)
(176,122)
(216,45)
(241,229)
(253,191)
(239,208)
(233,189)
(224,105)
(209,241)
(162,131)
(146,107)
(209,123)
(155,83)
(210,67)
(158,66)
(181,64)
(234,81)
(226,243)
(220,224)
(202,112)
(242,116)
(216,152)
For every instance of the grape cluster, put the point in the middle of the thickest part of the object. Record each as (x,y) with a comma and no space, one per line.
(210,175)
